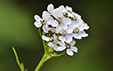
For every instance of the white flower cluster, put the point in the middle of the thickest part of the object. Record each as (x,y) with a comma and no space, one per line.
(61,25)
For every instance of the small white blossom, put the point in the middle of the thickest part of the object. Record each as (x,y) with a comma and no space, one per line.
(65,35)
(52,41)
(79,31)
(63,21)
(66,12)
(46,19)
(37,23)
(69,9)
(50,21)
(71,48)
(78,28)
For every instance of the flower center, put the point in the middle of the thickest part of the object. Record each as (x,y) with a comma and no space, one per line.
(63,32)
(43,21)
(69,11)
(73,17)
(52,40)
(53,30)
(65,14)
(76,30)
(59,19)
(68,46)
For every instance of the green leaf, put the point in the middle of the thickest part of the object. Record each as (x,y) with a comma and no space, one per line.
(21,66)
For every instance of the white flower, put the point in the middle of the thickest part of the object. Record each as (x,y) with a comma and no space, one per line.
(66,35)
(50,21)
(52,41)
(72,14)
(78,28)
(65,12)
(58,14)
(37,23)
(78,33)
(46,20)
(71,48)
(69,9)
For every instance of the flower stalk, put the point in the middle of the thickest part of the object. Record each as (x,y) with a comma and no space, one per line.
(44,59)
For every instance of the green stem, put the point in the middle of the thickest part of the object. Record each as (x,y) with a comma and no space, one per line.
(39,29)
(44,58)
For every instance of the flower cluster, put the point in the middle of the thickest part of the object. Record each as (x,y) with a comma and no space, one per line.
(61,27)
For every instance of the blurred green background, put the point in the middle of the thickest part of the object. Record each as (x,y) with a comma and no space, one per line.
(17,30)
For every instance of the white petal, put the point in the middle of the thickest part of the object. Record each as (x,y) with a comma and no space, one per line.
(72,43)
(63,8)
(55,23)
(80,26)
(61,43)
(57,12)
(37,18)
(45,15)
(62,38)
(61,48)
(50,8)
(74,49)
(63,26)
(58,28)
(74,24)
(45,28)
(38,24)
(45,38)
(77,36)
(69,52)
(55,37)
(50,44)
(52,22)
(55,47)
(69,29)
(68,38)
(86,26)
(69,8)
(66,21)
(83,34)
